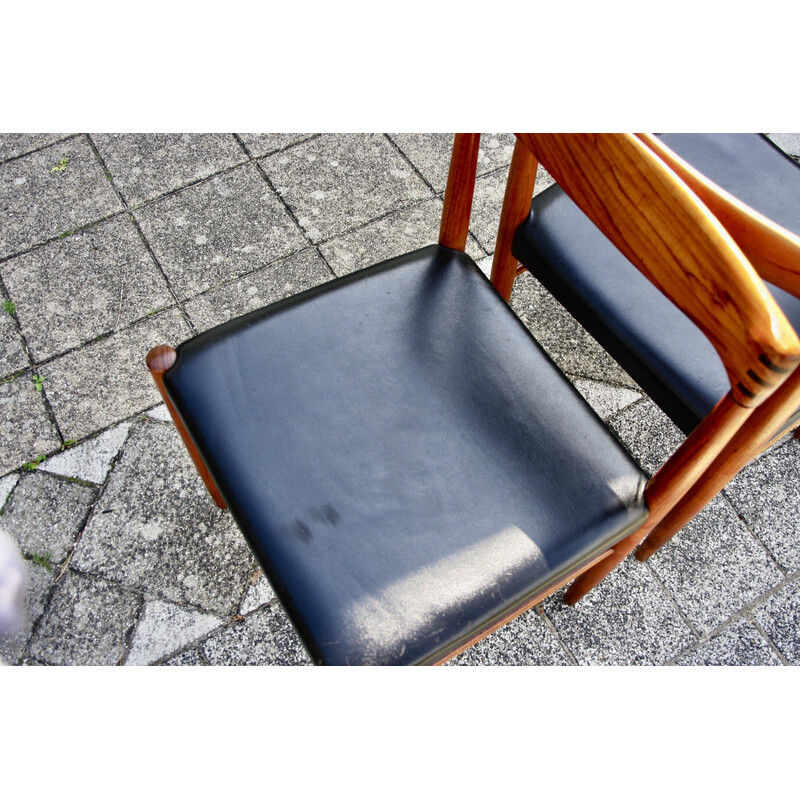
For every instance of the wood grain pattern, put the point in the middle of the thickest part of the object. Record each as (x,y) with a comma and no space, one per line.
(773,250)
(516,207)
(159,360)
(454,227)
(666,232)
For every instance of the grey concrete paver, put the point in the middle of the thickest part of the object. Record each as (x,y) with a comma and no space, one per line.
(218,230)
(27,431)
(604,399)
(155,528)
(626,620)
(258,594)
(525,641)
(262,144)
(740,644)
(765,494)
(19,144)
(7,484)
(164,628)
(564,340)
(285,278)
(45,514)
(266,637)
(714,566)
(430,153)
(50,192)
(394,235)
(779,616)
(339,182)
(106,381)
(649,435)
(76,289)
(146,165)
(86,623)
(40,582)
(788,142)
(90,460)
(12,353)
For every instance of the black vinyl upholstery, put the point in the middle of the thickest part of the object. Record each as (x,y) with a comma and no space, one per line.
(661,348)
(405,461)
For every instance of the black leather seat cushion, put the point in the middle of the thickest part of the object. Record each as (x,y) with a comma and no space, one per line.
(659,346)
(403,458)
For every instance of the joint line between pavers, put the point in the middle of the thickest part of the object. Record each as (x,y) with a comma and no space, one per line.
(135,224)
(564,646)
(39,149)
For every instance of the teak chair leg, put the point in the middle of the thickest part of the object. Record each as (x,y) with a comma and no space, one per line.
(159,360)
(516,207)
(767,423)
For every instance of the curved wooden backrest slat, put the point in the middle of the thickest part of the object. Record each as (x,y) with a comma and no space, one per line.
(771,249)
(656,221)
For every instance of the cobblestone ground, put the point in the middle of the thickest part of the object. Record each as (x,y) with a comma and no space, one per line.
(111,244)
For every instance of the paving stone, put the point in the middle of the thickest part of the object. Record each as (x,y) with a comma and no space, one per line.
(147,165)
(264,638)
(218,230)
(37,203)
(76,289)
(525,641)
(714,566)
(6,486)
(19,144)
(45,514)
(626,620)
(12,354)
(156,529)
(27,431)
(40,582)
(788,142)
(566,342)
(164,628)
(779,616)
(262,144)
(407,230)
(258,594)
(188,658)
(90,460)
(106,381)
(765,494)
(86,623)
(283,279)
(161,413)
(430,153)
(648,434)
(740,644)
(339,182)
(604,399)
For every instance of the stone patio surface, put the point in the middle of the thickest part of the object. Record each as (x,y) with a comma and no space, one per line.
(112,244)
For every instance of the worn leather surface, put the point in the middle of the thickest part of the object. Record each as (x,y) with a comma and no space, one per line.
(405,461)
(658,345)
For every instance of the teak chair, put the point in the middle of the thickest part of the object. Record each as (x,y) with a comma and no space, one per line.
(660,347)
(409,467)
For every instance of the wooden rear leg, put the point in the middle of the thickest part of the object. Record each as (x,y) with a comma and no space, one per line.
(159,360)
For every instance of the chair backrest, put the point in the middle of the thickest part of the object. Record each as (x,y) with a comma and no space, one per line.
(662,227)
(772,249)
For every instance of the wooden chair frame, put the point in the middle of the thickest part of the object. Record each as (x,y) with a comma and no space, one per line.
(746,420)
(623,218)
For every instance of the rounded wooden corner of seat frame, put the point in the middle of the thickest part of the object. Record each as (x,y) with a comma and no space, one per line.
(161,358)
